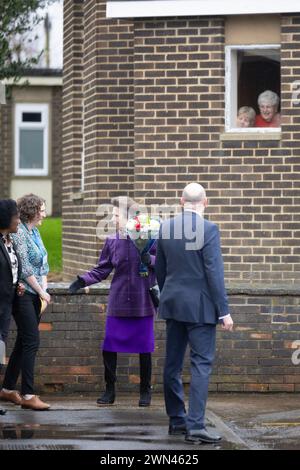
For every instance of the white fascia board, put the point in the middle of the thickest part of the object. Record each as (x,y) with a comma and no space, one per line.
(35,81)
(167,8)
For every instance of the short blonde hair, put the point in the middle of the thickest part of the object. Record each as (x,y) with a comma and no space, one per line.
(250,112)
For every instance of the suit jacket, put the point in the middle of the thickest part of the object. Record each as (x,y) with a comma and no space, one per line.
(6,278)
(189,270)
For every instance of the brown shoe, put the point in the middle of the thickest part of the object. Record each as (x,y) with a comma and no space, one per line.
(13,397)
(34,404)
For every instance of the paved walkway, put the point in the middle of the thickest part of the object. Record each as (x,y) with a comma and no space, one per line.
(245,421)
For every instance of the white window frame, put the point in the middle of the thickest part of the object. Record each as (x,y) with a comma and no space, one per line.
(231,89)
(42,108)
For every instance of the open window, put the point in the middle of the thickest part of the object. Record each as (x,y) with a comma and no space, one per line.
(250,71)
(31,139)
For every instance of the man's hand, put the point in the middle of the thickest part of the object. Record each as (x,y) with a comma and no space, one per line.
(227,323)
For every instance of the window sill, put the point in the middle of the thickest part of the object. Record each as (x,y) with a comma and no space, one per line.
(250,136)
(33,176)
(78,196)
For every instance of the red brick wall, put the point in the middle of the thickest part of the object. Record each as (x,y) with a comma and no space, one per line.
(155,98)
(252,185)
(256,356)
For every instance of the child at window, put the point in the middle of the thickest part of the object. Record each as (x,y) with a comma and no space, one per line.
(246,117)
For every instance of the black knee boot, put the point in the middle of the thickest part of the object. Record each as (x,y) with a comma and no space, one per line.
(110,366)
(145,375)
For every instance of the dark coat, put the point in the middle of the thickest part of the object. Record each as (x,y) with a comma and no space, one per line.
(7,292)
(129,292)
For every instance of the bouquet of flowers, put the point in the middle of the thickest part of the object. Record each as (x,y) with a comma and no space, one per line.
(143,231)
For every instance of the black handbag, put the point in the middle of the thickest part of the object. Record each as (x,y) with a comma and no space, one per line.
(155,295)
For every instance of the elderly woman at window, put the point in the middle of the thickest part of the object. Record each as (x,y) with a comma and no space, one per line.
(268,103)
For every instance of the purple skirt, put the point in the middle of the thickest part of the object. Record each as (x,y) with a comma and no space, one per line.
(129,334)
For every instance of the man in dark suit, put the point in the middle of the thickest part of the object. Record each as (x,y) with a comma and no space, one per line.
(10,269)
(190,275)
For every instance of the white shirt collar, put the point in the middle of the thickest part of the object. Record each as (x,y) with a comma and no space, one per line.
(193,210)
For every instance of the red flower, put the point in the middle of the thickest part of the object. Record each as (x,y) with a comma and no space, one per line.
(138,224)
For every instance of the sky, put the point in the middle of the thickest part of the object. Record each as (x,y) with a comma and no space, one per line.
(55,11)
(56,34)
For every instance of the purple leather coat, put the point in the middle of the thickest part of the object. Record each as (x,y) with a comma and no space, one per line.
(129,292)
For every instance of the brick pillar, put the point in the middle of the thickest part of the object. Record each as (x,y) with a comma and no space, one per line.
(108,101)
(56,164)
(72,126)
(290,168)
(107,134)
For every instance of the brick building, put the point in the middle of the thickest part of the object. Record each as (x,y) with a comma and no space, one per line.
(255,357)
(32,162)
(151,91)
(149,104)
(31,118)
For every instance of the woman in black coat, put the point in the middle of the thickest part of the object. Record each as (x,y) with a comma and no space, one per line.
(10,270)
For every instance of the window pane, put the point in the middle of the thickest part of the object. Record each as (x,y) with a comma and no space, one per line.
(32,117)
(258,71)
(31,149)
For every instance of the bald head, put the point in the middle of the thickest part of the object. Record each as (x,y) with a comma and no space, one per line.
(193,192)
(194,196)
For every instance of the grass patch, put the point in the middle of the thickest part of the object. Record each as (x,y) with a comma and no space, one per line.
(51,233)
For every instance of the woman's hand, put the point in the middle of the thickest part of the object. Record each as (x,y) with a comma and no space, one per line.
(146,259)
(20,289)
(44,295)
(76,285)
(39,290)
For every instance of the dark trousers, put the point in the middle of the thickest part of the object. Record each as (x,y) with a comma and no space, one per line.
(201,339)
(26,314)
(5,317)
(1,366)
(110,367)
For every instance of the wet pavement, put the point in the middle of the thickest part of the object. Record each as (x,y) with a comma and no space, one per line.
(246,421)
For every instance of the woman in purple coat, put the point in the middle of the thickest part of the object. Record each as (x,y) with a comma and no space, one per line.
(130,311)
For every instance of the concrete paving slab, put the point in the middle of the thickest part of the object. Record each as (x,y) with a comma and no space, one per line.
(246,421)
